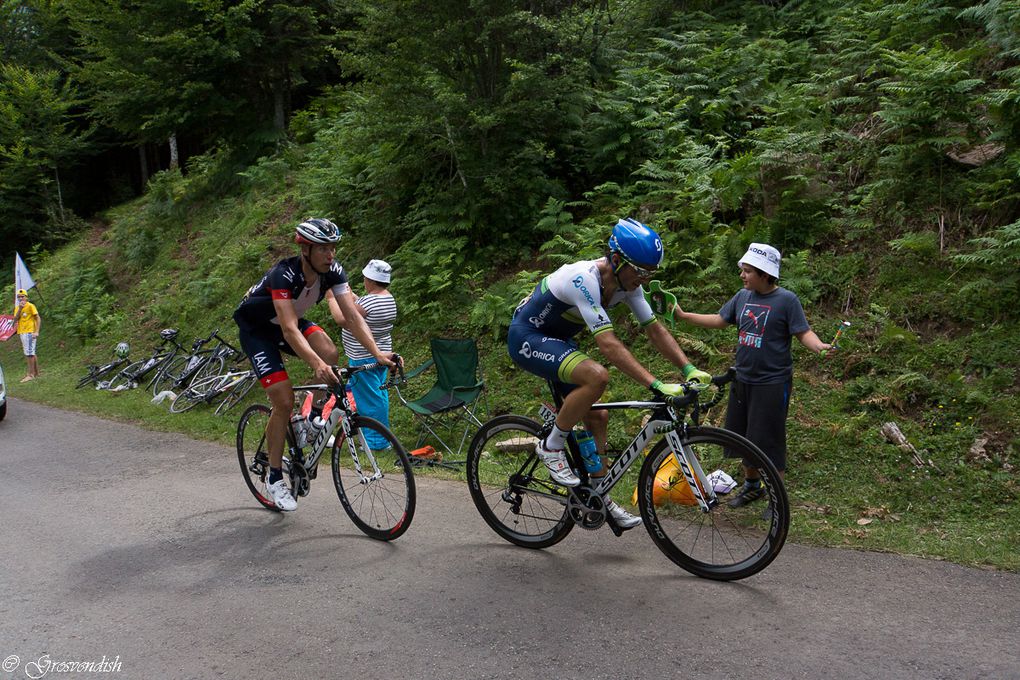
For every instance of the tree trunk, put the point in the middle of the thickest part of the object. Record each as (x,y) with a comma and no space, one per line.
(174,157)
(143,163)
(279,107)
(60,197)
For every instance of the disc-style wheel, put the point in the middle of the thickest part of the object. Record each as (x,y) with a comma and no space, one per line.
(728,542)
(253,453)
(376,488)
(511,487)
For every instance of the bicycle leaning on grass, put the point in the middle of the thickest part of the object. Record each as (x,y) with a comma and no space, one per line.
(97,374)
(376,487)
(228,388)
(680,492)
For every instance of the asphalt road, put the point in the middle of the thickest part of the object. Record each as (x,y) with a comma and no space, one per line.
(146,548)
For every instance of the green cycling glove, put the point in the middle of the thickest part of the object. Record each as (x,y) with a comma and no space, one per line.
(669,389)
(701,379)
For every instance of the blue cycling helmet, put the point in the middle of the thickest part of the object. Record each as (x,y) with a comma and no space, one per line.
(636,243)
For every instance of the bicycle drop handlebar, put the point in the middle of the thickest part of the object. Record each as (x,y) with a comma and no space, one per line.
(692,393)
(345,373)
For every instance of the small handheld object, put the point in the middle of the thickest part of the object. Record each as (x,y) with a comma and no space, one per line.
(839,331)
(661,300)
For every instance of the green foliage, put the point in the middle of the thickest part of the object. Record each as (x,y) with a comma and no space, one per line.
(38,137)
(82,300)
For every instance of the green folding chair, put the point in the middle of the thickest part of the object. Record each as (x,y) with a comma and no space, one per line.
(448,410)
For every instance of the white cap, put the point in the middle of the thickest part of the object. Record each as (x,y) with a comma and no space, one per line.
(377,270)
(762,256)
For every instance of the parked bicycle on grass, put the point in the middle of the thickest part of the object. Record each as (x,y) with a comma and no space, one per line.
(136,372)
(228,388)
(98,373)
(200,363)
(375,488)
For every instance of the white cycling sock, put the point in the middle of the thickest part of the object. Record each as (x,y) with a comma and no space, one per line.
(555,440)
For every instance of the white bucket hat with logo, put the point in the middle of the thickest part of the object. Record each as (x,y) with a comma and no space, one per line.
(764,257)
(377,270)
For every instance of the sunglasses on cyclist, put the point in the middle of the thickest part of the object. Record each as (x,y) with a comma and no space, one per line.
(640,271)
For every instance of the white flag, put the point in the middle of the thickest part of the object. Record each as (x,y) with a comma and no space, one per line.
(22,279)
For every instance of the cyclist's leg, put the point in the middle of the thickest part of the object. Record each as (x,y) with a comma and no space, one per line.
(263,351)
(558,360)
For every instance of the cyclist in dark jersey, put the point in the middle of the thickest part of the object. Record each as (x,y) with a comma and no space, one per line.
(269,321)
(576,296)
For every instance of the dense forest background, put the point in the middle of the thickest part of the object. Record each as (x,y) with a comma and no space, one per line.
(154,156)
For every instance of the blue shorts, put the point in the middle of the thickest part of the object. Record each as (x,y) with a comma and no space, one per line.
(264,345)
(550,358)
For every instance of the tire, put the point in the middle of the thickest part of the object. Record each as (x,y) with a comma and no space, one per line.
(169,374)
(3,410)
(379,499)
(724,544)
(252,452)
(126,376)
(213,367)
(511,487)
(236,394)
(190,397)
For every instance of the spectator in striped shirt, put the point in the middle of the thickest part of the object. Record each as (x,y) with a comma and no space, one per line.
(379,310)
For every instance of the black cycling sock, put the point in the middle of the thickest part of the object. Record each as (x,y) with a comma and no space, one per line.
(275,475)
(752,483)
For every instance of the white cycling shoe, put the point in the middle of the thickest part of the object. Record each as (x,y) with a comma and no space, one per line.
(623,519)
(281,496)
(556,463)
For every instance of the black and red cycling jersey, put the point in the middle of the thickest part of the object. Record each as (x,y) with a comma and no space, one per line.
(286,281)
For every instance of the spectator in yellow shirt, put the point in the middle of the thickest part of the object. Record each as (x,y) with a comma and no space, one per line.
(26,318)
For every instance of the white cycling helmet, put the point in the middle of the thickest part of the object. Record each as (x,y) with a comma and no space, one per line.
(317,230)
(121,350)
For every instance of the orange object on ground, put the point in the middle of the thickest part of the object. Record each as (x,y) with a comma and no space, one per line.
(670,486)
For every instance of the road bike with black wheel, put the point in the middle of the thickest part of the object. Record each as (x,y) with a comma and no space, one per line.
(683,486)
(375,486)
(202,362)
(99,375)
(138,372)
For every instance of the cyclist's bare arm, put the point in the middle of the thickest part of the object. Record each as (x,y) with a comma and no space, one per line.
(334,310)
(618,355)
(356,325)
(288,324)
(664,341)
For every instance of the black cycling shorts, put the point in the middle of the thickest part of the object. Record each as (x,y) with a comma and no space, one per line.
(264,345)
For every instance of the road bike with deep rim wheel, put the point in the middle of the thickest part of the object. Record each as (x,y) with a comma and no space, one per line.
(681,494)
(375,486)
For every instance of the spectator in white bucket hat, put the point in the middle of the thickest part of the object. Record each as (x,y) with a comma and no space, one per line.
(767,317)
(379,309)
